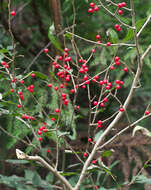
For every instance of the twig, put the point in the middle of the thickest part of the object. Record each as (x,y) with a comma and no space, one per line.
(118,44)
(146,52)
(144,25)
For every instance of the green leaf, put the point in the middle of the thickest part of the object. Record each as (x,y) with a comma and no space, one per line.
(54,40)
(129,34)
(40,75)
(142,179)
(50,177)
(98,135)
(144,131)
(36,180)
(29,174)
(69,36)
(113,36)
(107,153)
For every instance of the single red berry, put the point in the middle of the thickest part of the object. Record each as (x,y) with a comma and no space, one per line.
(117,26)
(45,130)
(94,161)
(125,69)
(119,5)
(66,101)
(20,93)
(39,132)
(147,112)
(108,87)
(53,119)
(95,103)
(60,58)
(117,63)
(108,43)
(66,49)
(18,106)
(90,10)
(85,77)
(92,4)
(102,104)
(3,63)
(50,85)
(72,91)
(46,50)
(83,86)
(122,109)
(40,138)
(105,99)
(96,8)
(13,13)
(98,37)
(105,81)
(87,82)
(121,82)
(117,81)
(57,110)
(89,139)
(80,61)
(119,29)
(116,58)
(22,81)
(33,75)
(120,12)
(31,86)
(123,4)
(118,87)
(112,67)
(11,90)
(93,50)
(99,126)
(56,88)
(101,82)
(61,85)
(85,154)
(78,107)
(48,150)
(100,122)
(82,71)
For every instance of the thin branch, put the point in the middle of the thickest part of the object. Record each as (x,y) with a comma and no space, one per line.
(144,25)
(146,52)
(118,44)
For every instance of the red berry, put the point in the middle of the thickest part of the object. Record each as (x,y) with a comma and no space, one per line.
(78,107)
(72,91)
(95,103)
(66,49)
(45,130)
(101,82)
(90,10)
(57,110)
(147,112)
(119,29)
(117,81)
(89,139)
(112,67)
(93,50)
(50,85)
(48,150)
(53,119)
(46,50)
(98,37)
(121,82)
(11,90)
(120,12)
(101,104)
(85,154)
(60,58)
(123,4)
(18,106)
(105,99)
(119,5)
(99,126)
(117,63)
(108,87)
(39,132)
(56,88)
(96,8)
(118,87)
(125,69)
(40,139)
(33,75)
(42,128)
(83,86)
(116,58)
(108,43)
(13,13)
(100,122)
(92,4)
(94,161)
(22,81)
(117,26)
(121,109)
